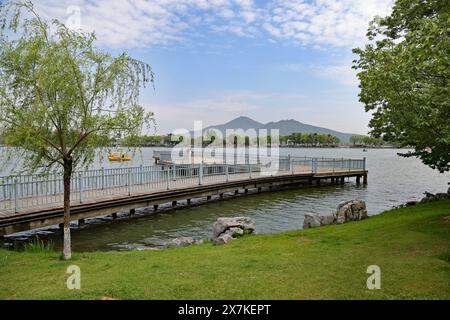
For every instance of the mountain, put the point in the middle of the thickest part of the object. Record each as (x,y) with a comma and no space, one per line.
(289,126)
(285,127)
(238,123)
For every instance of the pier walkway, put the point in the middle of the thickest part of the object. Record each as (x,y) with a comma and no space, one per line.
(28,202)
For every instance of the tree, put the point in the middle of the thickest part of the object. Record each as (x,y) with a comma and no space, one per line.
(61,99)
(404,76)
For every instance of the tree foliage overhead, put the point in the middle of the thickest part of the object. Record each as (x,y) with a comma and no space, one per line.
(61,99)
(405,79)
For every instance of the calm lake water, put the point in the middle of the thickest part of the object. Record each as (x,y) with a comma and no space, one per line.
(393,180)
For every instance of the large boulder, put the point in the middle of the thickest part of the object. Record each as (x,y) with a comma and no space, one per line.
(352,210)
(227,229)
(223,224)
(223,239)
(311,221)
(326,219)
(317,220)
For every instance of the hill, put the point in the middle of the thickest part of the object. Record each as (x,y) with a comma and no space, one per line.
(285,127)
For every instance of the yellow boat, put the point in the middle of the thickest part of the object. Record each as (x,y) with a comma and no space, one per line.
(119,156)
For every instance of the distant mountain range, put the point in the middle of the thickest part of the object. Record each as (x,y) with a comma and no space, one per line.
(285,127)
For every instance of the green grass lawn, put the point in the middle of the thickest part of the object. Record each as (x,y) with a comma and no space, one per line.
(410,245)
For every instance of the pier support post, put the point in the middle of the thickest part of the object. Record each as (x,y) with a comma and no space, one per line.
(236,191)
(259,189)
(155,207)
(208,198)
(342,180)
(188,201)
(132,212)
(365,179)
(81,222)
(318,182)
(221,196)
(246,190)
(174,203)
(358,179)
(114,215)
(333,181)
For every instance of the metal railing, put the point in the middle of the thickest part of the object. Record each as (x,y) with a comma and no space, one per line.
(32,191)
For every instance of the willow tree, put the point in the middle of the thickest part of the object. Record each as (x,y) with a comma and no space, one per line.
(61,99)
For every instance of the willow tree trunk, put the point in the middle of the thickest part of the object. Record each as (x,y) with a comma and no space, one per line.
(67,250)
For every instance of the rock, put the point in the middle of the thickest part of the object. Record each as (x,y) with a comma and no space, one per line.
(182,242)
(222,224)
(311,221)
(326,219)
(352,210)
(441,196)
(432,197)
(223,239)
(226,229)
(316,220)
(235,232)
(411,203)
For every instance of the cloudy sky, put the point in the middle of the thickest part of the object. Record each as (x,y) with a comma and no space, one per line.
(218,59)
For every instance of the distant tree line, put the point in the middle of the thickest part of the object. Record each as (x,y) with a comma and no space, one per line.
(361,140)
(310,139)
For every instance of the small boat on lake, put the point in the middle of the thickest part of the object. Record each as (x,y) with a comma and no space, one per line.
(119,156)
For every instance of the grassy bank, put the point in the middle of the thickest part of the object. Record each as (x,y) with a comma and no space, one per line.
(410,245)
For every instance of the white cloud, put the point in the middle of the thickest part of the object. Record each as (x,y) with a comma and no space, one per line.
(144,23)
(324,22)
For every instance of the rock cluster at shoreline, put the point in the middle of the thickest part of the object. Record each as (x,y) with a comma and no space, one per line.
(430,197)
(352,210)
(227,229)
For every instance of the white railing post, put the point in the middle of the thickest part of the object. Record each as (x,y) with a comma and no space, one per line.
(15,195)
(168,177)
(249,170)
(129,181)
(226,172)
(200,173)
(103,178)
(80,186)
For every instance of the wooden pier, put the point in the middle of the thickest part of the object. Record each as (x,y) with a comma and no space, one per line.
(171,185)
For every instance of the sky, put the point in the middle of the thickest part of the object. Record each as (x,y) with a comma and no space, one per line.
(215,60)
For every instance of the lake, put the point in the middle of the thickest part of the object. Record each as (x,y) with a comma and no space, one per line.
(393,180)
